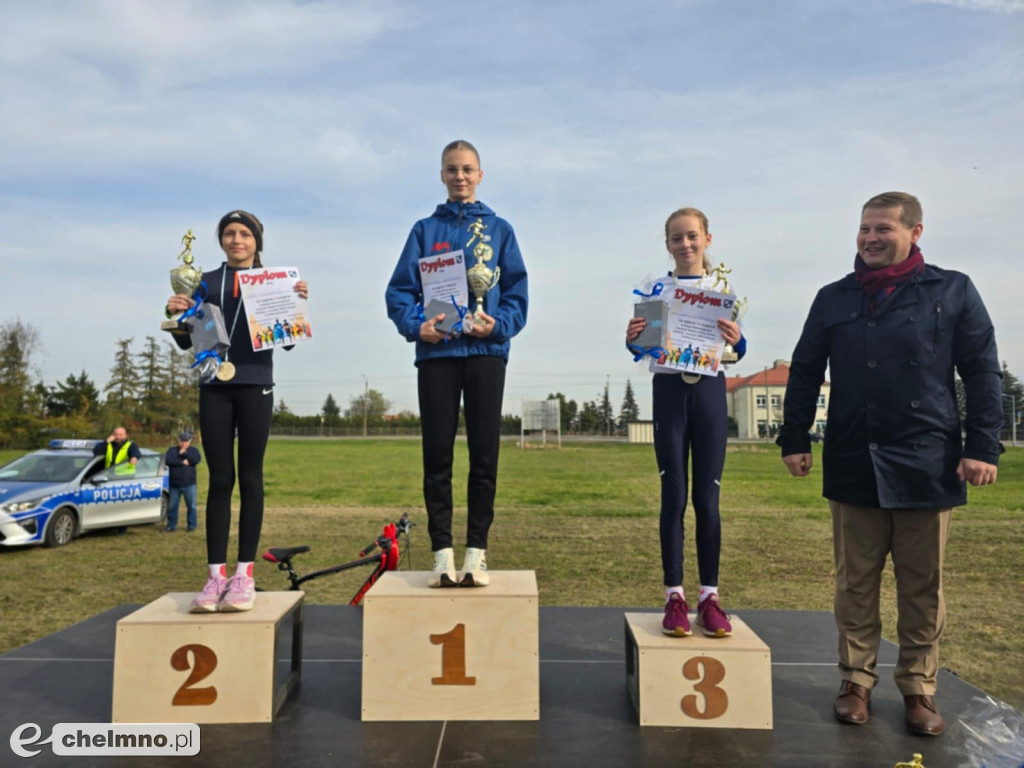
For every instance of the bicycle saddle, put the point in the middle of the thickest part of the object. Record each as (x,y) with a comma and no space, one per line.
(280,554)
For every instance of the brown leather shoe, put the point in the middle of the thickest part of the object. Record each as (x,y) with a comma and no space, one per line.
(923,716)
(851,705)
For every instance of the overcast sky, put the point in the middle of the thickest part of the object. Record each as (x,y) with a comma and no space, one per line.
(127,122)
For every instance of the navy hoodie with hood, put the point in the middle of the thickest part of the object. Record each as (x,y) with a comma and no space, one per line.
(448,230)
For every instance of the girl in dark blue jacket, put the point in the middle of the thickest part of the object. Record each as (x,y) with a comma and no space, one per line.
(690,421)
(467,365)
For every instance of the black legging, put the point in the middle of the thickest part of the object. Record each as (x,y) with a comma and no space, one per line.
(222,410)
(690,416)
(442,382)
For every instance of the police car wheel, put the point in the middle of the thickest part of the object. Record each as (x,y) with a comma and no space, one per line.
(61,529)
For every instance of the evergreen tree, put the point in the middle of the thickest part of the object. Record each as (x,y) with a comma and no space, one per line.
(629,411)
(1013,386)
(330,412)
(182,387)
(154,397)
(607,415)
(75,396)
(121,390)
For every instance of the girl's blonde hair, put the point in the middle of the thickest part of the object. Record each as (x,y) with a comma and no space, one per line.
(460,144)
(697,214)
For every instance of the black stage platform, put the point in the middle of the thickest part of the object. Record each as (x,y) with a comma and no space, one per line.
(586,715)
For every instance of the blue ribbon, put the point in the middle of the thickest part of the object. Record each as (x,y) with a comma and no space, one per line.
(205,354)
(655,291)
(198,297)
(462,313)
(419,313)
(639,352)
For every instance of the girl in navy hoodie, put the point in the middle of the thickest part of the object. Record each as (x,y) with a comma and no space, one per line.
(467,366)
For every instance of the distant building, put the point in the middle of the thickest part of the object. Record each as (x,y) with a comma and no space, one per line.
(755,402)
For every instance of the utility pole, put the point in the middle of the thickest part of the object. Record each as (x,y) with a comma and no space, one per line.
(767,408)
(366,401)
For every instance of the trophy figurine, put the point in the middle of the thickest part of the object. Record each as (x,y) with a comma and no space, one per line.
(480,277)
(185,279)
(739,307)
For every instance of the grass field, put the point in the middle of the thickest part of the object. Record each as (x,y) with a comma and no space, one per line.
(584,517)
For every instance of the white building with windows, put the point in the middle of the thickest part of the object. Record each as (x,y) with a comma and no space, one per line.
(755,402)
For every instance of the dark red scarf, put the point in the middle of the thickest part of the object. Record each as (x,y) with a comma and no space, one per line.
(879,284)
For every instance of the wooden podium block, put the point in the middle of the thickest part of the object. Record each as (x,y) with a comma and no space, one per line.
(172,666)
(698,681)
(451,654)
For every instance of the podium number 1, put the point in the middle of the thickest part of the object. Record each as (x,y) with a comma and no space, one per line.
(708,672)
(204,661)
(453,657)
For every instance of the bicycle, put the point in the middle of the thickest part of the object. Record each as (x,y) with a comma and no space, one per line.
(387,559)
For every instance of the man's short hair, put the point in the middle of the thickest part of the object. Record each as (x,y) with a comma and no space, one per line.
(910,207)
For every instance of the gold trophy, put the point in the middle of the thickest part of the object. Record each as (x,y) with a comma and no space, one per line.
(480,277)
(185,280)
(739,307)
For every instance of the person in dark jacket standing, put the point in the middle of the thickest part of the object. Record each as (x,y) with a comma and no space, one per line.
(182,461)
(895,464)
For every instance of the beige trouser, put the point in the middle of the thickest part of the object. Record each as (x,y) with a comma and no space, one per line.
(916,539)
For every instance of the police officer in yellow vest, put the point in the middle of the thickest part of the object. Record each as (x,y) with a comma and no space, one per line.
(120,452)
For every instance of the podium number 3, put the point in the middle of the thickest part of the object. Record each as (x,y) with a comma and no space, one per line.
(709,673)
(453,657)
(204,661)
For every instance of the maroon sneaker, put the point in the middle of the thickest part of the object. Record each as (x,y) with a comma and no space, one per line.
(712,618)
(676,622)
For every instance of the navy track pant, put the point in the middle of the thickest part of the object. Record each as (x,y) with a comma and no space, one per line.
(690,422)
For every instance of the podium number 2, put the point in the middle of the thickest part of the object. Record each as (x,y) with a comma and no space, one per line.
(204,661)
(453,657)
(709,673)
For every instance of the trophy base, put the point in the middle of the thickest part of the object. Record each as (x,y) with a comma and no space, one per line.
(175,328)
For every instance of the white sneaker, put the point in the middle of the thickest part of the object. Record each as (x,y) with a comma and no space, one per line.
(443,574)
(474,569)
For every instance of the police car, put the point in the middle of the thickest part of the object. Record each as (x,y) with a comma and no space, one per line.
(51,496)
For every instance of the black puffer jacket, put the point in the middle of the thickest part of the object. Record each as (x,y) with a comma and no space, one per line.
(893,435)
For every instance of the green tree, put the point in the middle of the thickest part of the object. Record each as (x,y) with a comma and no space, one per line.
(22,400)
(75,396)
(373,406)
(182,387)
(122,388)
(1012,386)
(607,414)
(590,419)
(566,411)
(330,412)
(155,408)
(629,411)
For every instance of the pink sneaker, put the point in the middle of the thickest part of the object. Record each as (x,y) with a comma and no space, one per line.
(712,618)
(676,622)
(240,594)
(207,600)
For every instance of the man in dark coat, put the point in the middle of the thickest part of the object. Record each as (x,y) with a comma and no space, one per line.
(895,463)
(181,460)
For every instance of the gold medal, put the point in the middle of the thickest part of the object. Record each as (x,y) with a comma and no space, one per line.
(226,372)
